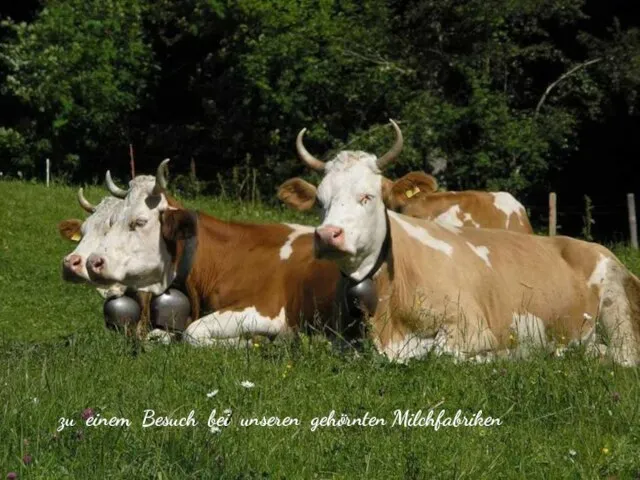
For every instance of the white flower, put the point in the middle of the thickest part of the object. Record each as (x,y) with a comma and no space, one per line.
(572,452)
(227,411)
(212,394)
(35,400)
(215,429)
(247,384)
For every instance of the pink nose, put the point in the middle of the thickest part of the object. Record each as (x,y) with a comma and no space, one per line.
(73,262)
(329,237)
(95,263)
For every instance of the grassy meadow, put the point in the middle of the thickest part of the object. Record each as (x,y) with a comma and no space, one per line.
(561,418)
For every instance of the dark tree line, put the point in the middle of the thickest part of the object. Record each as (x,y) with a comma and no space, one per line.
(522,95)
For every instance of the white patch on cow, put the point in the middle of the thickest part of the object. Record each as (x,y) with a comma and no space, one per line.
(158,335)
(450,217)
(468,218)
(286,250)
(528,329)
(412,346)
(505,202)
(216,326)
(599,273)
(482,252)
(421,234)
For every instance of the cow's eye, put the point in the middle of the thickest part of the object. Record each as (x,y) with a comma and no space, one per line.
(364,198)
(140,222)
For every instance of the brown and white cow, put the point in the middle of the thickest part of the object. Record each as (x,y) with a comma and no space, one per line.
(257,279)
(467,291)
(416,195)
(87,234)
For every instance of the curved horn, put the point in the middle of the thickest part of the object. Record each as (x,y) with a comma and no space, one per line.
(392,154)
(115,190)
(161,177)
(84,203)
(305,156)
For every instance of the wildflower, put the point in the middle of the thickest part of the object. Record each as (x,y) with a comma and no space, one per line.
(572,452)
(35,400)
(247,384)
(605,450)
(289,365)
(12,476)
(256,345)
(87,413)
(212,393)
(227,411)
(215,429)
(27,459)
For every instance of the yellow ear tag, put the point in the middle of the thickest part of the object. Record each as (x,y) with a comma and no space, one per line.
(412,192)
(76,237)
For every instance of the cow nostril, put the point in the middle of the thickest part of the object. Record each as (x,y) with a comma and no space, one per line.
(337,233)
(76,260)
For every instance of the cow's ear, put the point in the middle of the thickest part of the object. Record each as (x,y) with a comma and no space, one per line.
(298,194)
(71,229)
(177,224)
(412,184)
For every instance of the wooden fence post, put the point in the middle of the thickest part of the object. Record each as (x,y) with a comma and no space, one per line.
(552,213)
(133,164)
(633,226)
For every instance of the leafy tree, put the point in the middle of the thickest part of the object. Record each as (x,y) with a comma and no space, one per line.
(74,75)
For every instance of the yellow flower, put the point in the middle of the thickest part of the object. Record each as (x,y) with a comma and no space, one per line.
(289,365)
(605,450)
(256,345)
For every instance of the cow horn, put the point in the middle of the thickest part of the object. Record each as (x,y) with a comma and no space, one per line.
(115,190)
(305,156)
(392,154)
(161,177)
(84,203)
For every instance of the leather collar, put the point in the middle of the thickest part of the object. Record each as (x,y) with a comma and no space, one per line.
(186,259)
(362,294)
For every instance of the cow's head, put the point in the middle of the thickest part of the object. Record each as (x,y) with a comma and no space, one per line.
(87,234)
(139,249)
(352,199)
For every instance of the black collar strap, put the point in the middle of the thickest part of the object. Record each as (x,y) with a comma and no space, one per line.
(362,293)
(188,255)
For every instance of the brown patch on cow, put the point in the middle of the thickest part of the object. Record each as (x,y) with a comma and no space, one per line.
(297,193)
(70,229)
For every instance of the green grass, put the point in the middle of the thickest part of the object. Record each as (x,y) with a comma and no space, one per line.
(561,418)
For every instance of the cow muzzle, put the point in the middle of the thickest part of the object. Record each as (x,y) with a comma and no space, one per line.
(96,267)
(72,268)
(329,241)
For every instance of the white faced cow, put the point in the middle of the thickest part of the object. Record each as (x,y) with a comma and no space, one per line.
(87,235)
(257,279)
(466,291)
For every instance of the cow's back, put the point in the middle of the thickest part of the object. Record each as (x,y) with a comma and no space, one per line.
(471,208)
